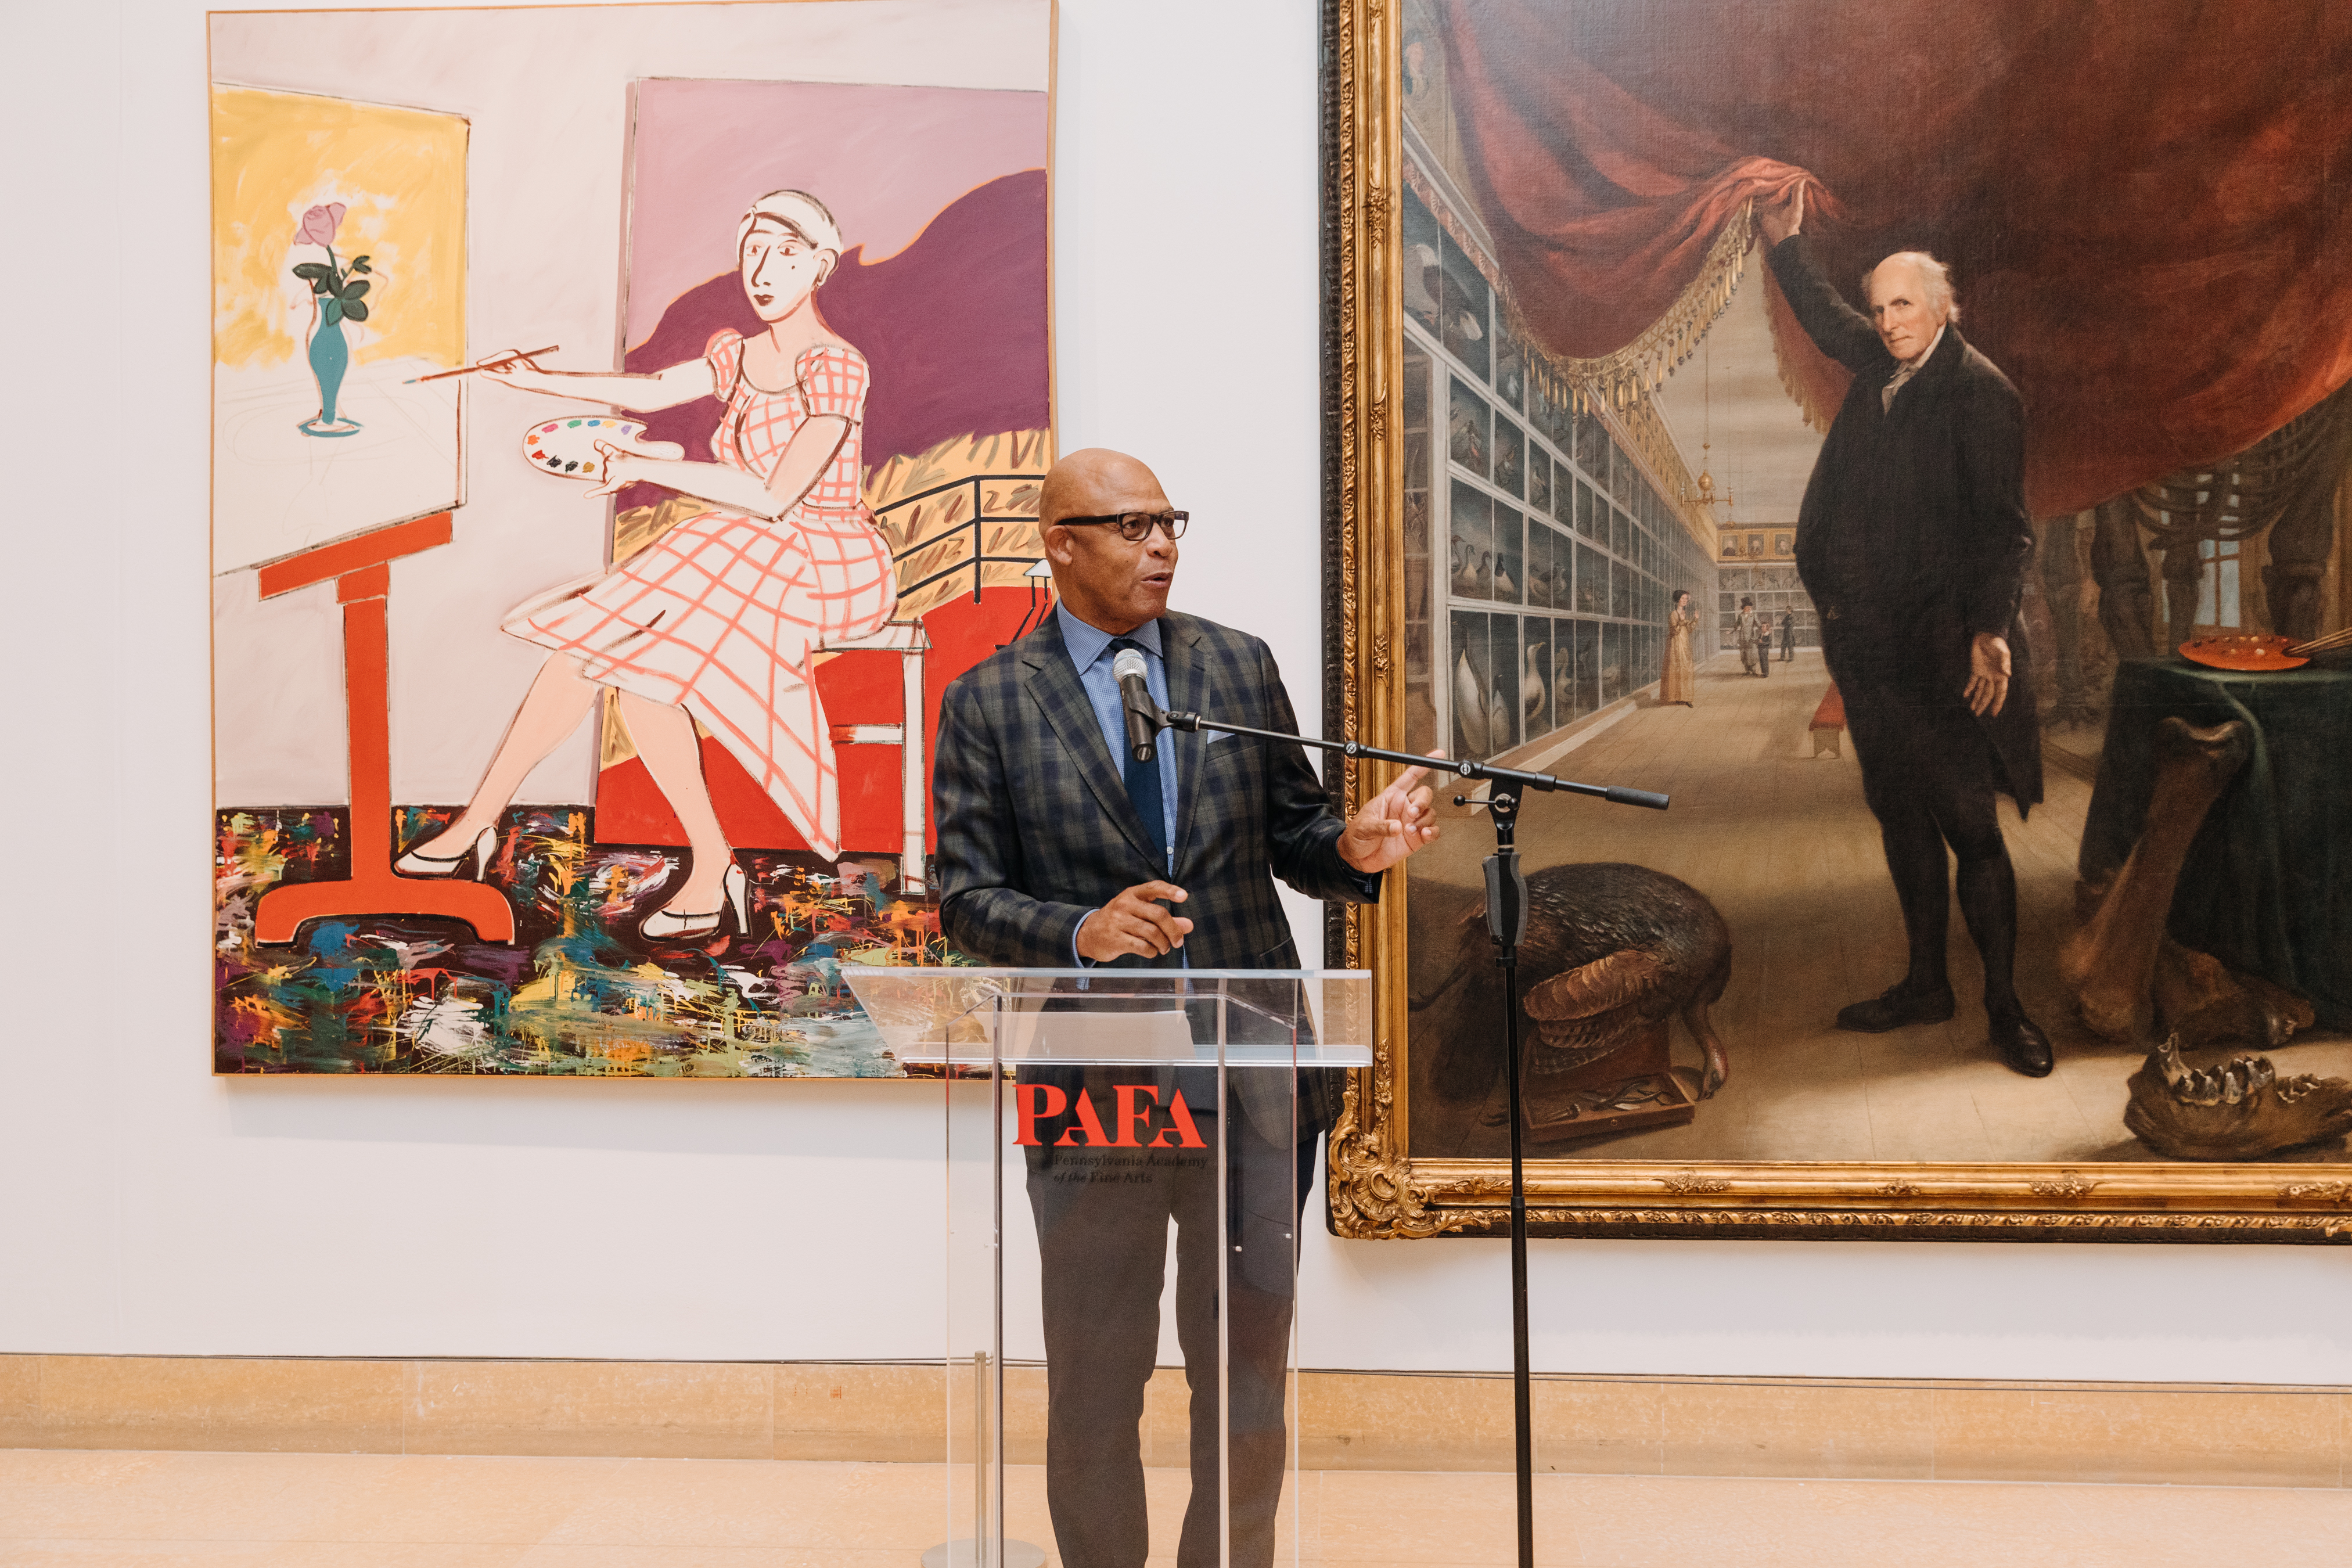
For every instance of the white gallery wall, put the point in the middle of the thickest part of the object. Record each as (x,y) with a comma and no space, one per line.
(154,1209)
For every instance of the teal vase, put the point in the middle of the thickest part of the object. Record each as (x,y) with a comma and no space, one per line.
(331,357)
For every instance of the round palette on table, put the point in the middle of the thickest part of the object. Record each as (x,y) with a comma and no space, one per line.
(567,447)
(2242,652)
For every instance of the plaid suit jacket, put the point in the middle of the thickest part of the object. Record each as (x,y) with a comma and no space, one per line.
(1036,828)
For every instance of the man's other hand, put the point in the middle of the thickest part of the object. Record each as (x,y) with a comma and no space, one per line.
(1134,922)
(1392,825)
(1784,216)
(1988,686)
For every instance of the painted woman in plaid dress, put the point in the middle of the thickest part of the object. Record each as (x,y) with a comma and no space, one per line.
(718,619)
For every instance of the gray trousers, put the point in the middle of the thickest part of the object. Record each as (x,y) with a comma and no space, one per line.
(1102,1218)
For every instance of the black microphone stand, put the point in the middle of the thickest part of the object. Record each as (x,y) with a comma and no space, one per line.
(1506,923)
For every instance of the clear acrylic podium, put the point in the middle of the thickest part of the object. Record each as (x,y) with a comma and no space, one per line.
(1125,1155)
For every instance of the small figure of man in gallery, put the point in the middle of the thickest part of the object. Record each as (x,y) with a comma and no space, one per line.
(1788,637)
(1913,540)
(1058,848)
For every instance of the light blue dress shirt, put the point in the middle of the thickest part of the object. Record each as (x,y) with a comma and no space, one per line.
(1091,653)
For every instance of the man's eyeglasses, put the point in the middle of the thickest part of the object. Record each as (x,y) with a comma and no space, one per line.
(1135,527)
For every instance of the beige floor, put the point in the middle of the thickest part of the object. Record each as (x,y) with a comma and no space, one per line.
(87,1508)
(1782,843)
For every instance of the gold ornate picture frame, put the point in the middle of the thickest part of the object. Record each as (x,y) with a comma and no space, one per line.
(1391,1175)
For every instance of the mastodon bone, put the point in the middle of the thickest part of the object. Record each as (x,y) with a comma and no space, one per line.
(2110,963)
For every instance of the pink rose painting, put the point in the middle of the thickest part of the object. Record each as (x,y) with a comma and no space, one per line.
(320,223)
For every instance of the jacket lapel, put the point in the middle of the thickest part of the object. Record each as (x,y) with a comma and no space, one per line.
(1055,687)
(1189,691)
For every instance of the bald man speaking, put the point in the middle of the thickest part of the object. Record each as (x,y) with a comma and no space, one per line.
(1912,540)
(1056,849)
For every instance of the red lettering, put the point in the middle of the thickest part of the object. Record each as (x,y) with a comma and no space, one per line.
(1036,1100)
(1188,1134)
(1088,1124)
(1130,1115)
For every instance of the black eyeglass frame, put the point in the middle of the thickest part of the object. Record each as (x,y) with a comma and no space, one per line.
(1174,522)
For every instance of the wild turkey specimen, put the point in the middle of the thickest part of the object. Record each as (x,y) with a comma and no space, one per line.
(1612,951)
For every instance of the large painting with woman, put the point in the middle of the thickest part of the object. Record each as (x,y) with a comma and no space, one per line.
(633,742)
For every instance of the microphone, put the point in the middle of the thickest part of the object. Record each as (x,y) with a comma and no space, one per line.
(1143,715)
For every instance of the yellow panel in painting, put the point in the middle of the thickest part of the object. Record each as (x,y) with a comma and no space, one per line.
(401,176)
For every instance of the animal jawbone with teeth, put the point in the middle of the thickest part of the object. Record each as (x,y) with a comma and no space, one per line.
(2241,1110)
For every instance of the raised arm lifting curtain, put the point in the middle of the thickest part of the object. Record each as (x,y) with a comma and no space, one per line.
(2143,202)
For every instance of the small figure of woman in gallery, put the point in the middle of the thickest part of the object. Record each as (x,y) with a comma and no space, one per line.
(1678,684)
(716,620)
(1745,630)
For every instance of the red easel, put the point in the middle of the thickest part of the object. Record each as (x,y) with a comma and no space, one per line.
(363,576)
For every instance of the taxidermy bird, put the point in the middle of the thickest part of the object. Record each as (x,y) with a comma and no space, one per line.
(1553,584)
(1611,950)
(1469,709)
(1421,283)
(1485,581)
(1502,721)
(1468,447)
(1531,688)
(2241,1111)
(1465,571)
(1504,587)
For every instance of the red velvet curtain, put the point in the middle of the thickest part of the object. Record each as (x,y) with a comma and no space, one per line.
(2144,202)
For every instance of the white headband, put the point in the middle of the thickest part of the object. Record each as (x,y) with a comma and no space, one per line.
(797,210)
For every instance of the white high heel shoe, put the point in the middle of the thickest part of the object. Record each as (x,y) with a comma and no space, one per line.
(416,863)
(663,925)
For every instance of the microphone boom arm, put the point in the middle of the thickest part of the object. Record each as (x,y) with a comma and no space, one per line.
(1517,778)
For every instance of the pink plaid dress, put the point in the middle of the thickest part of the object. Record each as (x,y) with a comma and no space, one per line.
(720,614)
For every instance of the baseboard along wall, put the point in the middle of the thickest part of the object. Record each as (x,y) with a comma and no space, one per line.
(2183,1433)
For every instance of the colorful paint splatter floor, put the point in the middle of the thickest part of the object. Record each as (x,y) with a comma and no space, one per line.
(578,992)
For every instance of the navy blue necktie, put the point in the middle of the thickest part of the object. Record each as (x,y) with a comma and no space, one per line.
(1143,781)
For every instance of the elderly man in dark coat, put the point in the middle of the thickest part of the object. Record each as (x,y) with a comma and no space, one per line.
(1912,540)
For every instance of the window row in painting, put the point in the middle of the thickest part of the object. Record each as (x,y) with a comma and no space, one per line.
(1495,552)
(1447,298)
(1482,683)
(1514,679)
(1489,444)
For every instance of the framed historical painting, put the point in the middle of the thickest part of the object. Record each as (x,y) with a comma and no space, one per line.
(626,419)
(1918,449)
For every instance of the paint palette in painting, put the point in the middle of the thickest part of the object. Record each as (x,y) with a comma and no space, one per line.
(567,447)
(2242,651)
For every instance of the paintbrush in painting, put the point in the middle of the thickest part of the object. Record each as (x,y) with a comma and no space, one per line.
(2327,644)
(497,363)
